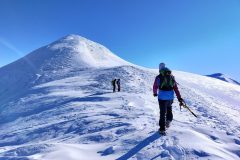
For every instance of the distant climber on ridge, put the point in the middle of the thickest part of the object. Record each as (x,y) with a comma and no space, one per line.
(164,87)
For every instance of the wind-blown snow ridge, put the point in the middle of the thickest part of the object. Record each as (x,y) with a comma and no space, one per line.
(63,108)
(223,78)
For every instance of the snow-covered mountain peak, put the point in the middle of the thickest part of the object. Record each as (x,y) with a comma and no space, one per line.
(70,41)
(86,53)
(69,53)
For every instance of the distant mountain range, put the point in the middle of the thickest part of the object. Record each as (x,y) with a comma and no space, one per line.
(223,78)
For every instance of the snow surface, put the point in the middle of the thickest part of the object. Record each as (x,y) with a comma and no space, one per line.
(57,104)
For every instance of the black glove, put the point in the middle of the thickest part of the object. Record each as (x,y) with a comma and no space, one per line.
(155,95)
(181,101)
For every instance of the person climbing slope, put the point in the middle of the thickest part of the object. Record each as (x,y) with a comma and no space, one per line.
(164,87)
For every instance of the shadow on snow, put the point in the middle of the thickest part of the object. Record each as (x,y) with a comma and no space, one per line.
(140,146)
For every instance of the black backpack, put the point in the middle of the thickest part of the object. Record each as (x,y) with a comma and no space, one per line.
(166,80)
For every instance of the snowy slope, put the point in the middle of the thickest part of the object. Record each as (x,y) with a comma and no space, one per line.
(54,61)
(70,112)
(223,78)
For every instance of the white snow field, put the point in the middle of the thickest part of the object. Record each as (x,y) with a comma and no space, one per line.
(57,104)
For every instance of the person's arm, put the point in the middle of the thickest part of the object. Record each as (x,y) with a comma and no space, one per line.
(155,86)
(175,88)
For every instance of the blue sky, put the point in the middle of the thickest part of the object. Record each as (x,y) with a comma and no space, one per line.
(199,36)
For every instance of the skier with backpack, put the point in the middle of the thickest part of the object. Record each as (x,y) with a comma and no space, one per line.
(164,87)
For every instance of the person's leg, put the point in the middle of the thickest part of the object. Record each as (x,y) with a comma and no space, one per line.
(114,87)
(162,120)
(169,111)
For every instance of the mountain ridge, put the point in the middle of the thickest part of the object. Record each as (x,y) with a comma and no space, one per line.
(223,77)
